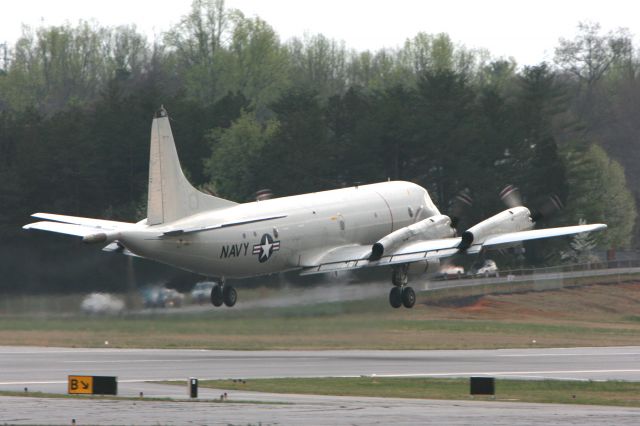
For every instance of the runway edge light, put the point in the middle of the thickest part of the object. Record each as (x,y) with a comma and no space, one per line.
(193,387)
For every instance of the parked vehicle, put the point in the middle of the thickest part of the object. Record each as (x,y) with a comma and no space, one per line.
(161,297)
(102,304)
(201,292)
(451,271)
(488,269)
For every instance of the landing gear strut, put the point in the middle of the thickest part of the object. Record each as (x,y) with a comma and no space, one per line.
(223,293)
(401,294)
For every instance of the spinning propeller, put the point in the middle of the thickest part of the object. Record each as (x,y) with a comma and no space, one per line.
(459,206)
(548,206)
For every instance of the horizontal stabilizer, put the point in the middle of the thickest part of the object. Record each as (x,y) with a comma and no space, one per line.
(85,221)
(91,230)
(64,228)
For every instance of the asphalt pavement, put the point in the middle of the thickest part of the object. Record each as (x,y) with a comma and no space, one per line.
(46,370)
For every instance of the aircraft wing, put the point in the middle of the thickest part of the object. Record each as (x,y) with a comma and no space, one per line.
(535,234)
(356,257)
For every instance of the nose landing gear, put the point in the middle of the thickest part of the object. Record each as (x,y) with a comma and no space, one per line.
(401,294)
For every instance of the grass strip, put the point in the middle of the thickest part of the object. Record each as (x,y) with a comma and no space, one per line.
(616,393)
(599,315)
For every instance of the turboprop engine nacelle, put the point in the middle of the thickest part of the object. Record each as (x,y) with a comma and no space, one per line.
(512,220)
(433,227)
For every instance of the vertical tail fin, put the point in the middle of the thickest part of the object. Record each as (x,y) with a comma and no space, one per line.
(171,196)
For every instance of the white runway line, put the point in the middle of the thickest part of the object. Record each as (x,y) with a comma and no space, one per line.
(571,354)
(503,373)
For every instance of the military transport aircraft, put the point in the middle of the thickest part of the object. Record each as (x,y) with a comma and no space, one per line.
(384,224)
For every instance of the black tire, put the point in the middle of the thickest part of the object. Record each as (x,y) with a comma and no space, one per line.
(229,295)
(395,297)
(408,297)
(216,296)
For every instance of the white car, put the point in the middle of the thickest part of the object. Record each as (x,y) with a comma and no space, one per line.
(102,304)
(489,269)
(201,293)
(451,271)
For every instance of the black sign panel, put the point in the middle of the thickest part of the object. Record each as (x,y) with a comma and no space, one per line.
(105,385)
(482,386)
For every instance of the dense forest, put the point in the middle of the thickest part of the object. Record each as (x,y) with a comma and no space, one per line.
(251,111)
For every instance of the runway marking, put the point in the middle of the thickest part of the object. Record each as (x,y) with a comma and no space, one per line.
(3,351)
(570,354)
(504,373)
(57,382)
(126,361)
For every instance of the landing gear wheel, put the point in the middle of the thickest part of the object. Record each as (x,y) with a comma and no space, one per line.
(395,297)
(408,297)
(229,295)
(216,295)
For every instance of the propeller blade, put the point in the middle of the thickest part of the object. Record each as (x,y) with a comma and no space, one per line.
(550,205)
(511,197)
(460,203)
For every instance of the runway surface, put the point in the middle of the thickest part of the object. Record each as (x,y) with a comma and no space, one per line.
(34,366)
(319,411)
(46,369)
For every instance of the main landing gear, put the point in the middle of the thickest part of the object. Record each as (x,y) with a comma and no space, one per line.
(401,294)
(223,293)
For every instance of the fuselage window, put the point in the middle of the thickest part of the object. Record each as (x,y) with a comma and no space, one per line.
(275,232)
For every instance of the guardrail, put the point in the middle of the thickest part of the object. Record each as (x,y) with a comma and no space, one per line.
(612,264)
(537,279)
(574,267)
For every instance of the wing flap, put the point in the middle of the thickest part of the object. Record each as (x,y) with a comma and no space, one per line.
(426,246)
(357,256)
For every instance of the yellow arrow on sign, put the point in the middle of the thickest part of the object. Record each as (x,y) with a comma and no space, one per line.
(80,384)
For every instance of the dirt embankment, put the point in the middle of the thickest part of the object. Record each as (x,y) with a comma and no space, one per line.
(607,303)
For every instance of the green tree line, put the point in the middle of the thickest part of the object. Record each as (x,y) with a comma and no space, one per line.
(251,111)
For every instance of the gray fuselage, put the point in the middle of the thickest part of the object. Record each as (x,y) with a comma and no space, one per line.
(314,224)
